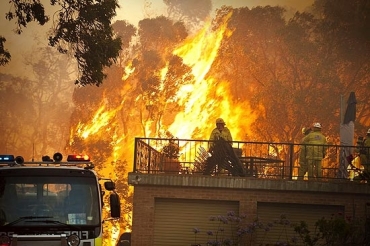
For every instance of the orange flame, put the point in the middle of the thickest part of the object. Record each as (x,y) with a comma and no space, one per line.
(203,101)
(102,121)
(207,99)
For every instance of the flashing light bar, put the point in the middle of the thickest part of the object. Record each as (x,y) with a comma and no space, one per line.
(78,158)
(7,158)
(10,159)
(57,158)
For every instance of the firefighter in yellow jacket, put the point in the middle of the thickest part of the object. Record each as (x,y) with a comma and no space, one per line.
(221,131)
(303,167)
(316,147)
(364,152)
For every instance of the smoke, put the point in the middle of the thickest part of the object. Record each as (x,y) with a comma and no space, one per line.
(136,10)
(133,11)
(35,36)
(21,45)
(298,5)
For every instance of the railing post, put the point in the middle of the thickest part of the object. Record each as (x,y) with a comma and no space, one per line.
(251,168)
(291,151)
(135,155)
(149,156)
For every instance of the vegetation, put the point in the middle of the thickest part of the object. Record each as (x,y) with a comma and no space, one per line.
(282,73)
(336,230)
(82,29)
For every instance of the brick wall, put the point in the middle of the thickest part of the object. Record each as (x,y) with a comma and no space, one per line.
(248,192)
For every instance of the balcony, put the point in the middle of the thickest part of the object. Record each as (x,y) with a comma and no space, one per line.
(261,160)
(177,181)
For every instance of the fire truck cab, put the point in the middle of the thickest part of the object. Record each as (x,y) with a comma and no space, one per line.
(51,202)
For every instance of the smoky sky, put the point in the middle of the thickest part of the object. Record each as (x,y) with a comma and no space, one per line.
(21,46)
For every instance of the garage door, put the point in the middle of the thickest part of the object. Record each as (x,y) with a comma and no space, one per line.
(175,220)
(282,215)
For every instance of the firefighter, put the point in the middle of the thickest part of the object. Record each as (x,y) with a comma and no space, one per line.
(220,147)
(355,169)
(364,152)
(315,150)
(221,131)
(303,167)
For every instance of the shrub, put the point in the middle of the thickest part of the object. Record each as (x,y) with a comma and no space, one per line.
(234,230)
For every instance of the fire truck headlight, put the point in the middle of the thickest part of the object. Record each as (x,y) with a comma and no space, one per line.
(73,240)
(4,241)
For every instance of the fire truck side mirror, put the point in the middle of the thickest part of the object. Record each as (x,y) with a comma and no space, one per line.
(109,185)
(115,205)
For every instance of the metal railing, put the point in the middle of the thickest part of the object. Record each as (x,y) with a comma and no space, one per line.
(258,159)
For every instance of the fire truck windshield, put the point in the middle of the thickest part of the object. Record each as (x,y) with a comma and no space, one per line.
(30,199)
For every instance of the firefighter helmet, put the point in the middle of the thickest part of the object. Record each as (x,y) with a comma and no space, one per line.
(368,131)
(220,121)
(316,125)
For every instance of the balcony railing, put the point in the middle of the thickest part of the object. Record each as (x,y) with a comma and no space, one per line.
(251,159)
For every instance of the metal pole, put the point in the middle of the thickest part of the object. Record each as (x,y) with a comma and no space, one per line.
(341,110)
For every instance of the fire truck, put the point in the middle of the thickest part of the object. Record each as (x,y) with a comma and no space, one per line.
(53,202)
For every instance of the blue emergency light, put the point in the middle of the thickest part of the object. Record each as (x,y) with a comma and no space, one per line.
(6,158)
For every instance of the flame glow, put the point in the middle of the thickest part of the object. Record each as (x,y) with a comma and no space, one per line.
(201,102)
(101,119)
(206,99)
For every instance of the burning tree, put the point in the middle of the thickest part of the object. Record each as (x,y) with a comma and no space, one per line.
(266,75)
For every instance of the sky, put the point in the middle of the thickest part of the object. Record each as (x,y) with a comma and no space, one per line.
(21,46)
(135,10)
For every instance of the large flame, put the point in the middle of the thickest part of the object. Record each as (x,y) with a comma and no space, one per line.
(101,121)
(207,99)
(203,101)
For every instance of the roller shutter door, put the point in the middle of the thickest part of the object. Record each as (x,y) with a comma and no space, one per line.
(294,213)
(175,220)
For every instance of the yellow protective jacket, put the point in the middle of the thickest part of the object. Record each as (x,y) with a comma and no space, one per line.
(217,134)
(302,154)
(365,154)
(316,145)
(367,142)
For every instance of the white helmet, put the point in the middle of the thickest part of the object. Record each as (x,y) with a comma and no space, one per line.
(317,125)
(368,131)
